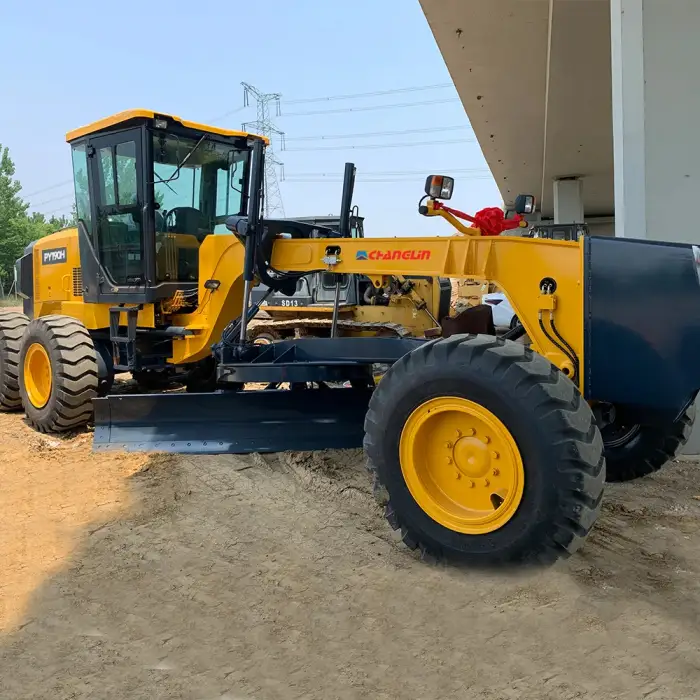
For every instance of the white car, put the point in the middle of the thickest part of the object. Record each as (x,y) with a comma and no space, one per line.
(503,314)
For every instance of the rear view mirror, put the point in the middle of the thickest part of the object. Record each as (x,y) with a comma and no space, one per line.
(524,204)
(439,186)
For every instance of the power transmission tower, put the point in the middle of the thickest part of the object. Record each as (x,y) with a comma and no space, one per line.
(264,126)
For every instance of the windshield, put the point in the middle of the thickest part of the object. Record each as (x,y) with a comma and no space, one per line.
(194,200)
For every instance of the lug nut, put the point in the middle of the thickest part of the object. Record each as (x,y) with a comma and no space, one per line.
(459,476)
(458,433)
(495,472)
(470,432)
(487,439)
(471,484)
(448,445)
(486,482)
(449,460)
(495,455)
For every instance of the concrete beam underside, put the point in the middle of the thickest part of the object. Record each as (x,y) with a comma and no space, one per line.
(536,87)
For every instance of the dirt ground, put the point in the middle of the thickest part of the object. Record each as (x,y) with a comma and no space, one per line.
(253,578)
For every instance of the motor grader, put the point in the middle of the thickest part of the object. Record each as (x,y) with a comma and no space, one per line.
(483,449)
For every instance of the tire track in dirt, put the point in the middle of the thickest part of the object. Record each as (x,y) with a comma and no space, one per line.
(276,576)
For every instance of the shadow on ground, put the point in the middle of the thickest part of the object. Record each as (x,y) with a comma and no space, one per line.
(275,577)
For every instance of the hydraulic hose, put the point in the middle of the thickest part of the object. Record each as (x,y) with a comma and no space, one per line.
(566,350)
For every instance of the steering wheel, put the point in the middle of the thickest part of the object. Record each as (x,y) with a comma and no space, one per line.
(172,216)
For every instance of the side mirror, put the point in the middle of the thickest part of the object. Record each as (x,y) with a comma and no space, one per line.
(524,204)
(439,186)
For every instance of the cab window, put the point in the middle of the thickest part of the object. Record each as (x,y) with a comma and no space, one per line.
(119,230)
(198,184)
(356,230)
(82,189)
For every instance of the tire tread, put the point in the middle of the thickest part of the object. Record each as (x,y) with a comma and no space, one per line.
(12,326)
(76,374)
(582,471)
(657,446)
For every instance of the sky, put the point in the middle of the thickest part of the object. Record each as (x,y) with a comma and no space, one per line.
(77,61)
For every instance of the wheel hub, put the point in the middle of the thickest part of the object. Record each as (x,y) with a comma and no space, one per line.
(472,457)
(38,381)
(461,465)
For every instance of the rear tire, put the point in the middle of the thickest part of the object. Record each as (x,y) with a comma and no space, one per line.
(12,326)
(644,449)
(105,368)
(67,380)
(201,379)
(552,429)
(154,380)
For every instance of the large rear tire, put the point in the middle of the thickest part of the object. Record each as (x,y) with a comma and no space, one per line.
(149,380)
(485,453)
(634,451)
(59,374)
(12,325)
(201,379)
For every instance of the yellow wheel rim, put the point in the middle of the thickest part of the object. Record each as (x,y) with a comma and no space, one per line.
(37,375)
(461,465)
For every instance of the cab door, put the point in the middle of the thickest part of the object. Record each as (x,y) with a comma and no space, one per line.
(119,221)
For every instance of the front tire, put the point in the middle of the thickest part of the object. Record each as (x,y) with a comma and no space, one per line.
(59,374)
(12,326)
(634,451)
(486,452)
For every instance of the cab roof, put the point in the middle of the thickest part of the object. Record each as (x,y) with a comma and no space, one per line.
(128,115)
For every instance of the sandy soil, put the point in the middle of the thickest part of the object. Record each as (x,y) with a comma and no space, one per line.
(237,578)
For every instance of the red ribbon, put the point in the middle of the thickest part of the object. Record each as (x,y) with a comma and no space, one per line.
(490,221)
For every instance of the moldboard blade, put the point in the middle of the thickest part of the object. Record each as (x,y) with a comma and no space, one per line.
(232,422)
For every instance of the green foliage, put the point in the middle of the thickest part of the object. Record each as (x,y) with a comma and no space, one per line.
(17,226)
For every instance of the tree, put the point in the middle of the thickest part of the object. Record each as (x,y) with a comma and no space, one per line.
(17,227)
(13,210)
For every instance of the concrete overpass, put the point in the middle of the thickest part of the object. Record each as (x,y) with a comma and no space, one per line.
(592,105)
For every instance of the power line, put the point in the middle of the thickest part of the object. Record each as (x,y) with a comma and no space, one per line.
(402,132)
(63,197)
(367,146)
(64,211)
(50,187)
(395,105)
(226,114)
(485,176)
(377,93)
(330,98)
(384,173)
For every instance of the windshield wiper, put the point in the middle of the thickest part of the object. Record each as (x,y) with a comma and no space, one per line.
(176,174)
(165,182)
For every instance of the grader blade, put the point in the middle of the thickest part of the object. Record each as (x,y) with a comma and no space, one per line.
(232,422)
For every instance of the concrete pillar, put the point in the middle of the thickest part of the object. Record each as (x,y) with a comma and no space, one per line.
(672,118)
(627,63)
(568,201)
(656,113)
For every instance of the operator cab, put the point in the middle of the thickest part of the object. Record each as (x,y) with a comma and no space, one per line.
(149,189)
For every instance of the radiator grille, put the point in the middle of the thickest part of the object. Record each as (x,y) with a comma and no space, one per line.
(77,282)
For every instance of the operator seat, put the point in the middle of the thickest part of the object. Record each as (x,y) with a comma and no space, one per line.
(187,220)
